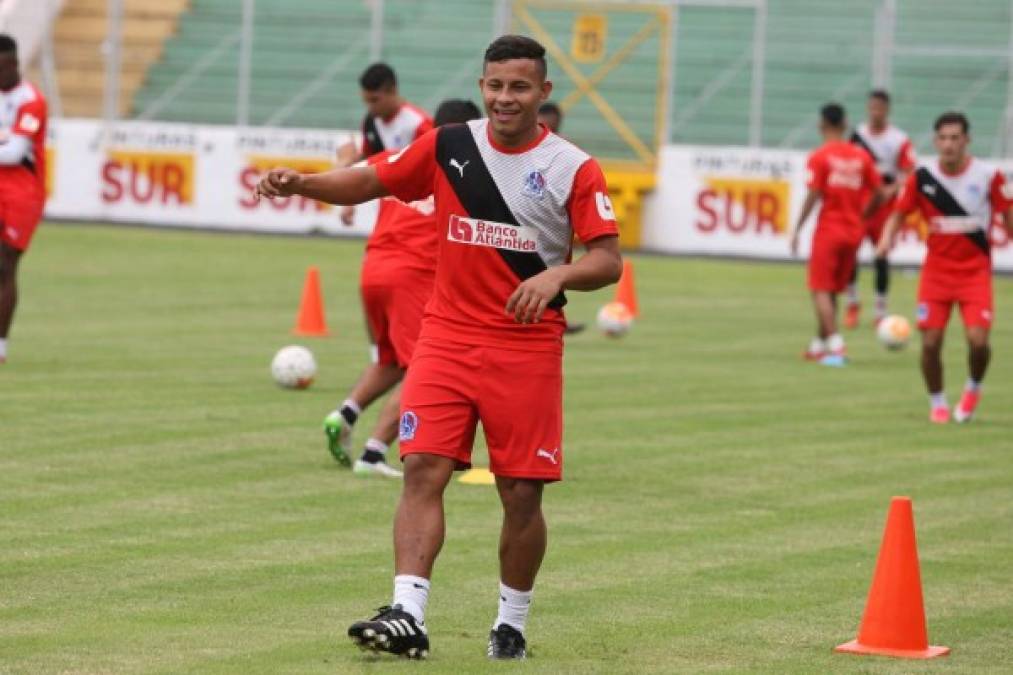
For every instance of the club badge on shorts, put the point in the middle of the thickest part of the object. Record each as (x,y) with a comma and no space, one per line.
(409,425)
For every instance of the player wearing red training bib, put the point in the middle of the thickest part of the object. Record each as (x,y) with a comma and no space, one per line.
(397,277)
(391,122)
(958,196)
(22,176)
(891,150)
(509,197)
(840,176)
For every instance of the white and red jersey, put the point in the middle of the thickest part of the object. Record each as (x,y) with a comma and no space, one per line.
(503,215)
(23,113)
(958,209)
(408,124)
(890,149)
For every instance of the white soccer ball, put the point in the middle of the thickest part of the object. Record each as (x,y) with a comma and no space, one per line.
(894,331)
(294,367)
(615,319)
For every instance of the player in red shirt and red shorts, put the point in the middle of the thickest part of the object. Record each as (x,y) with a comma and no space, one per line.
(842,176)
(509,197)
(958,196)
(398,272)
(22,176)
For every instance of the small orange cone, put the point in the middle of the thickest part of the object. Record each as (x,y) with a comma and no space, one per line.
(310,321)
(626,291)
(894,619)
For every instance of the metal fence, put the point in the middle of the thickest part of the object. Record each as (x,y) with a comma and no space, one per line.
(740,72)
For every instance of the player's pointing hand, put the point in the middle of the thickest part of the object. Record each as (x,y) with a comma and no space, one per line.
(278,183)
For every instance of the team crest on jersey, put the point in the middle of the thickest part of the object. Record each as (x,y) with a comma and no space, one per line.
(534,185)
(409,425)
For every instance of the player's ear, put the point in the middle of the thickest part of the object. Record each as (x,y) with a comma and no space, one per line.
(546,89)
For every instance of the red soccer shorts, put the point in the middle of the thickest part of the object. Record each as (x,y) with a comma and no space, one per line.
(18,220)
(394,312)
(939,291)
(874,225)
(516,395)
(831,261)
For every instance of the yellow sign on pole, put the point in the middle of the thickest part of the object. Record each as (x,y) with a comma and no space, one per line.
(589,33)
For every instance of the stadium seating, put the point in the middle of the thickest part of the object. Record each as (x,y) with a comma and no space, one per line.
(307,54)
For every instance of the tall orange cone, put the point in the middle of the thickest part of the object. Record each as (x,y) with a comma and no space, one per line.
(894,619)
(626,291)
(310,321)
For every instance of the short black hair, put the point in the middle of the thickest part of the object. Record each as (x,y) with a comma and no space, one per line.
(881,94)
(952,117)
(456,111)
(550,108)
(507,47)
(833,114)
(8,45)
(378,76)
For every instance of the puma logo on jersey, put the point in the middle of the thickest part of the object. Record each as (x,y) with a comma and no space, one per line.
(929,189)
(460,167)
(551,455)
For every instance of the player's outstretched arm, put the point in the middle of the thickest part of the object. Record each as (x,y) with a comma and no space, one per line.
(340,186)
(600,266)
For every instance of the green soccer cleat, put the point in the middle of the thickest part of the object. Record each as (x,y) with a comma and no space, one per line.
(339,438)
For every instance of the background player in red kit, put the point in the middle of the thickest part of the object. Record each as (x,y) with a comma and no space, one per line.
(958,195)
(391,122)
(840,175)
(22,176)
(509,196)
(891,150)
(397,277)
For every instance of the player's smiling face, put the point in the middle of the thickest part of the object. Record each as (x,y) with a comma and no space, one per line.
(513,90)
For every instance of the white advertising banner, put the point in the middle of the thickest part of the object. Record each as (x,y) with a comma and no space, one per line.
(743,202)
(191,176)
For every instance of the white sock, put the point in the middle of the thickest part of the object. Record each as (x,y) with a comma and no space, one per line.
(852,294)
(412,593)
(972,385)
(3,347)
(938,400)
(835,342)
(513,607)
(817,346)
(881,303)
(377,445)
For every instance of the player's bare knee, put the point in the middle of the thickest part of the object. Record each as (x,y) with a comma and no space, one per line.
(426,475)
(521,498)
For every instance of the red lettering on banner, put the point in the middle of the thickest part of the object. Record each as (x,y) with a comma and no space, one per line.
(740,210)
(112,190)
(144,181)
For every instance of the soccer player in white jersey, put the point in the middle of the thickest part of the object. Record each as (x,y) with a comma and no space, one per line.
(390,123)
(22,176)
(509,197)
(958,196)
(891,150)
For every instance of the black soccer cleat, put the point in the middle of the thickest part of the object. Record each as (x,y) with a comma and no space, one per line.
(506,642)
(392,630)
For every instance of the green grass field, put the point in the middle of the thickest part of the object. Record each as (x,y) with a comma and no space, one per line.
(164,508)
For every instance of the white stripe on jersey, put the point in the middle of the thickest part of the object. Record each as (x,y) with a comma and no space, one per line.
(400,131)
(536,185)
(972,190)
(886,146)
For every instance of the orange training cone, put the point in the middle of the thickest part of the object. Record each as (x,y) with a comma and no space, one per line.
(310,321)
(894,619)
(626,291)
